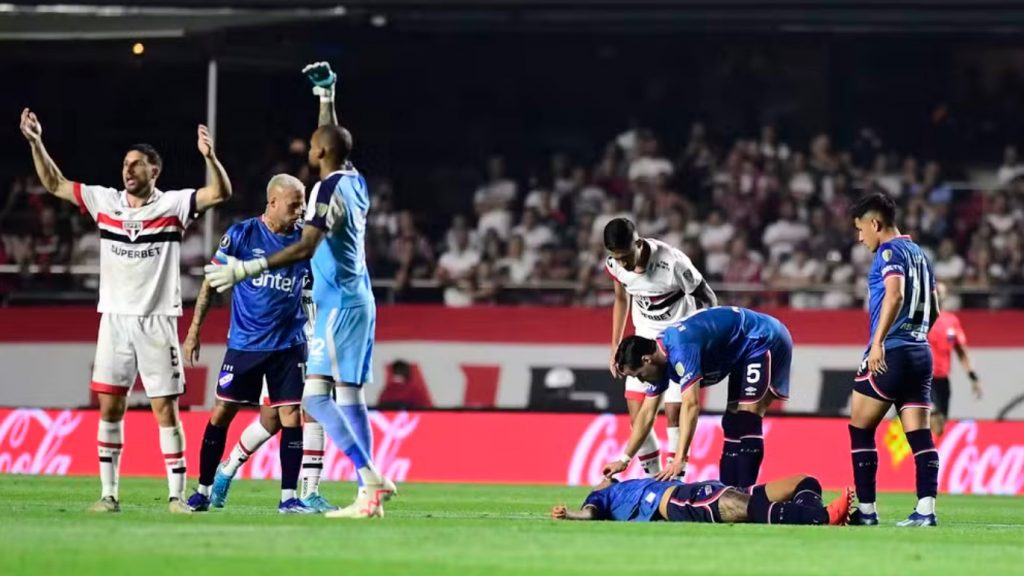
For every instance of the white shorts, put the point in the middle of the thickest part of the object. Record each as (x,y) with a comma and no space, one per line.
(143,345)
(636,389)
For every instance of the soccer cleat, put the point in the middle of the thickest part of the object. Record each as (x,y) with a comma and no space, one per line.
(221,485)
(106,504)
(839,509)
(318,503)
(858,518)
(369,502)
(294,506)
(198,502)
(916,520)
(177,506)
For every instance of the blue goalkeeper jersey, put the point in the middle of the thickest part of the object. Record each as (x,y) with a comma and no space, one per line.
(707,346)
(902,257)
(630,500)
(266,310)
(338,205)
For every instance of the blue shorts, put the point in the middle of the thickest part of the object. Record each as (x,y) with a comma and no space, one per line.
(696,502)
(243,373)
(342,344)
(766,369)
(907,381)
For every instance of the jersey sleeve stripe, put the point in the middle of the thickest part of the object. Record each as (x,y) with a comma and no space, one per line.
(76,187)
(892,273)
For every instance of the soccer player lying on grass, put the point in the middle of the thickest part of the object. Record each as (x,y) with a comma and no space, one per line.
(793,500)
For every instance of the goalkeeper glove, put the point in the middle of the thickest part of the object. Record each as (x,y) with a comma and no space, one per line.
(323,80)
(233,271)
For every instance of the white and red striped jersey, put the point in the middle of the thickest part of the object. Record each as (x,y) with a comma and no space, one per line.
(661,294)
(139,248)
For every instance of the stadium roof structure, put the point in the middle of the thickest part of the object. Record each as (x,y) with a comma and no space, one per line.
(105,19)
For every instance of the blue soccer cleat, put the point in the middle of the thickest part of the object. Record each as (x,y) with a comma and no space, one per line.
(198,503)
(858,518)
(294,506)
(221,485)
(916,520)
(318,503)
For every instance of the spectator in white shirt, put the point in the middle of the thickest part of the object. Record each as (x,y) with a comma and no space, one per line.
(534,234)
(456,271)
(493,200)
(781,236)
(517,265)
(949,266)
(649,164)
(799,271)
(714,239)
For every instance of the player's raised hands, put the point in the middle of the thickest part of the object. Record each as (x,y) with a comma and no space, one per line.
(31,128)
(204,142)
(320,74)
(559,512)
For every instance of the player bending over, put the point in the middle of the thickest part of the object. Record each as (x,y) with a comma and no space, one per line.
(341,351)
(266,343)
(661,286)
(897,367)
(945,337)
(752,349)
(140,295)
(793,500)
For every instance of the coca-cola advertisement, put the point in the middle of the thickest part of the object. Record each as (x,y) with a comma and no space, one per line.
(533,448)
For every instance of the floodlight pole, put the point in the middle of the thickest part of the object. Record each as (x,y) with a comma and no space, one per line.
(211,123)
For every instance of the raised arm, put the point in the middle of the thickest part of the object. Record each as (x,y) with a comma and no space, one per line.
(219,188)
(324,80)
(49,174)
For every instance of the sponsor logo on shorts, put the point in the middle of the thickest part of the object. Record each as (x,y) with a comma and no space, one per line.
(750,390)
(225,380)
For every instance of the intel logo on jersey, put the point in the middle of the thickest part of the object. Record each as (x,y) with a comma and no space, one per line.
(275,281)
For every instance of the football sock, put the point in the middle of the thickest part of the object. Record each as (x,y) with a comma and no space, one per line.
(672,438)
(312,457)
(291,460)
(760,510)
(329,415)
(751,449)
(926,461)
(352,402)
(649,455)
(808,492)
(211,452)
(254,436)
(109,443)
(865,467)
(727,465)
(172,444)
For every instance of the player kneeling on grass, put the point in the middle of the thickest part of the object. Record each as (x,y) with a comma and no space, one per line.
(793,500)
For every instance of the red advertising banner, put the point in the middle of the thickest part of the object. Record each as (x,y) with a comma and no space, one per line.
(535,448)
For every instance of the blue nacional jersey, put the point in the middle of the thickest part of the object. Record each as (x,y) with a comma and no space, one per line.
(706,346)
(266,311)
(338,205)
(902,257)
(630,500)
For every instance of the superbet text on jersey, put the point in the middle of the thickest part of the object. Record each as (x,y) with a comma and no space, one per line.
(661,293)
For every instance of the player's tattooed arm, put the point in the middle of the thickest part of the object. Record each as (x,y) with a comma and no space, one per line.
(705,295)
(192,341)
(328,114)
(49,174)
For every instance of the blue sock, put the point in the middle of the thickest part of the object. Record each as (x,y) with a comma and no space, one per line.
(329,415)
(865,463)
(353,407)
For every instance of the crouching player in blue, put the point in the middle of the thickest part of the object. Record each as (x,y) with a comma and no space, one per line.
(753,349)
(794,500)
(266,343)
(897,367)
(341,350)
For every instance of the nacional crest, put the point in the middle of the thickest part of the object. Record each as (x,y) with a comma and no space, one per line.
(321,209)
(886,254)
(132,228)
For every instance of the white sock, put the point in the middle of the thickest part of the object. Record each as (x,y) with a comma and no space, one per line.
(172,444)
(926,505)
(370,475)
(312,458)
(672,432)
(866,507)
(287,495)
(254,436)
(109,444)
(649,455)
(204,490)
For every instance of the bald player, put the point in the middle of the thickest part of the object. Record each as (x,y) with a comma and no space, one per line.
(341,350)
(266,343)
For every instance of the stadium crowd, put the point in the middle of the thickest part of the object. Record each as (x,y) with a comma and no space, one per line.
(764,219)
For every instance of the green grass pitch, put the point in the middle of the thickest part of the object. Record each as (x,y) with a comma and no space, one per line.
(464,529)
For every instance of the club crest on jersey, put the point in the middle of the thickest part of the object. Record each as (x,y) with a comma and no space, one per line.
(225,241)
(321,209)
(680,369)
(132,228)
(887,254)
